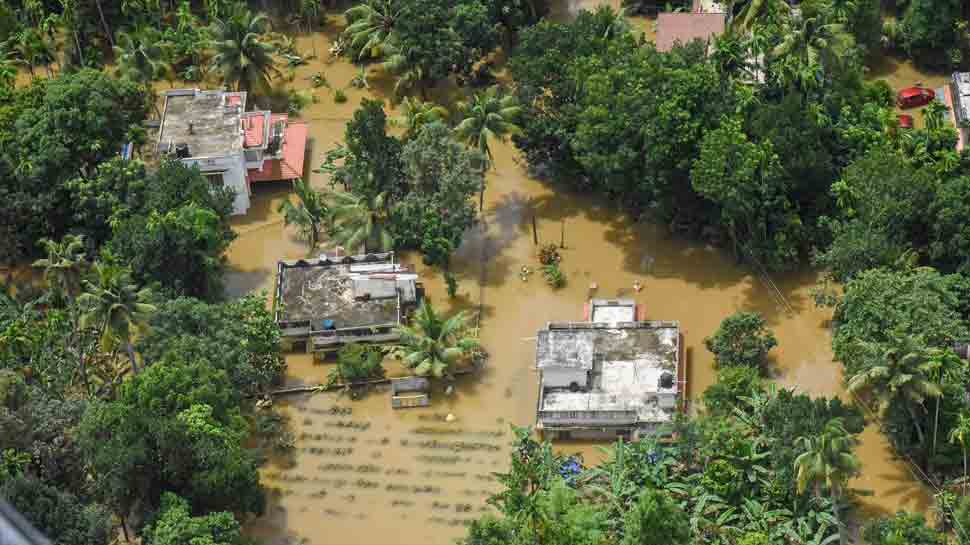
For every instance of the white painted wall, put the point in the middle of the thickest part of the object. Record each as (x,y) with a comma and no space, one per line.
(558,377)
(234,176)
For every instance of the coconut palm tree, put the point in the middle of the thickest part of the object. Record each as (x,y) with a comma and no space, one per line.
(488,116)
(938,362)
(243,52)
(415,113)
(8,72)
(757,12)
(934,114)
(827,461)
(31,48)
(961,434)
(115,307)
(357,220)
(308,214)
(140,55)
(897,373)
(64,264)
(371,28)
(809,47)
(434,345)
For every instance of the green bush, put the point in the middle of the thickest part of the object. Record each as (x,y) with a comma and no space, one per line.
(339,96)
(357,362)
(732,384)
(549,254)
(741,340)
(554,275)
(902,529)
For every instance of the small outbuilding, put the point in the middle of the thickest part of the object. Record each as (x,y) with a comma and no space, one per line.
(410,392)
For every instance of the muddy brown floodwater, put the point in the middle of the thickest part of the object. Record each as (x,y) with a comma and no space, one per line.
(365,474)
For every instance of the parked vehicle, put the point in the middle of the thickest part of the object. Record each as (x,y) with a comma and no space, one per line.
(914,97)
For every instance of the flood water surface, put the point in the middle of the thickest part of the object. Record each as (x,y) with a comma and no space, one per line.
(363,473)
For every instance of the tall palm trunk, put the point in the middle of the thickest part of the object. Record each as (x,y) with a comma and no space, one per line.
(936,428)
(77,44)
(104,23)
(838,520)
(916,424)
(964,471)
(131,357)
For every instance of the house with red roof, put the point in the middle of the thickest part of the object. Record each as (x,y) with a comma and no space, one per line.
(232,147)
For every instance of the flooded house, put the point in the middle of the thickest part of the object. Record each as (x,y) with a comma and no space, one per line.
(334,300)
(956,95)
(612,376)
(675,28)
(232,147)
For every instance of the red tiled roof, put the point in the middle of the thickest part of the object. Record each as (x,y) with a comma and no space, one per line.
(687,27)
(290,165)
(254,130)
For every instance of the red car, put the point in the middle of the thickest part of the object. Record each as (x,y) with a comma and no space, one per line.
(905,121)
(914,97)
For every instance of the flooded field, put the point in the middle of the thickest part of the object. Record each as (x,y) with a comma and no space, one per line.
(365,474)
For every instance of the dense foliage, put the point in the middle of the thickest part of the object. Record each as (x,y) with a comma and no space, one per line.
(410,194)
(126,385)
(729,477)
(243,333)
(53,132)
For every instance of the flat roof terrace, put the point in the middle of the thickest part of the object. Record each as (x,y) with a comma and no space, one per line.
(316,292)
(208,122)
(633,362)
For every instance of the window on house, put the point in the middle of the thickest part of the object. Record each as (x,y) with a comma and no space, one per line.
(215,178)
(252,156)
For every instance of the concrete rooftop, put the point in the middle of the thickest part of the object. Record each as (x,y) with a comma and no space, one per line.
(209,122)
(611,311)
(629,360)
(320,292)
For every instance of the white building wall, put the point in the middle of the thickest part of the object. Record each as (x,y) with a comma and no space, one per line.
(561,378)
(233,168)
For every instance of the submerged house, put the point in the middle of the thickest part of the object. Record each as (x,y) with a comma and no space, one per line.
(335,300)
(685,27)
(614,376)
(232,147)
(956,95)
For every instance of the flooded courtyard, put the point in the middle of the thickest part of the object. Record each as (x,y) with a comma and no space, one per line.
(363,473)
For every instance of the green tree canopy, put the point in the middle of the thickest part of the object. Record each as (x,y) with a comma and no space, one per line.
(60,516)
(918,304)
(655,518)
(372,158)
(175,525)
(442,177)
(52,132)
(243,333)
(743,339)
(175,427)
(745,180)
(178,237)
(883,201)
